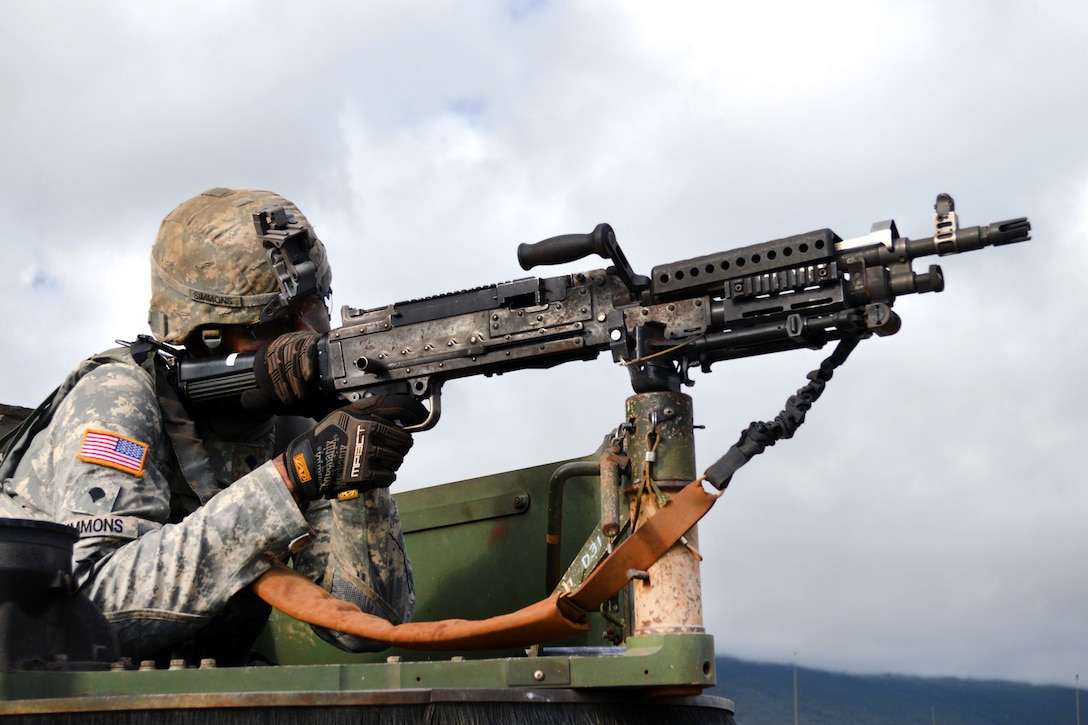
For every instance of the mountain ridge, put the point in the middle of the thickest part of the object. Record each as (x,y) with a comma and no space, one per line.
(763,693)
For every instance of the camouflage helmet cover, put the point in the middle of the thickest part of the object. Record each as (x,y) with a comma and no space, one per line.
(209,267)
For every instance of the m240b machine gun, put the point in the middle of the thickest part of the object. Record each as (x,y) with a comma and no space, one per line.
(798,292)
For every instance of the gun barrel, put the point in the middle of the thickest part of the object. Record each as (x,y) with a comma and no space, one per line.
(969,239)
(1009,231)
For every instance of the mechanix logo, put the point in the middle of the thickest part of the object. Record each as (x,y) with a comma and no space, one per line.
(210,298)
(303,471)
(357,459)
(330,456)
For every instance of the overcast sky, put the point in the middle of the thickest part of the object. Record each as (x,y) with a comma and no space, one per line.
(930,518)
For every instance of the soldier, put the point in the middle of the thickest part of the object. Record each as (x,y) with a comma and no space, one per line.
(181,505)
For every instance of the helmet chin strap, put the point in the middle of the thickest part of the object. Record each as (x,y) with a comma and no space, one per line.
(289,243)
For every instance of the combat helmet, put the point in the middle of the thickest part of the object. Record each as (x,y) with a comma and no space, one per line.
(232,257)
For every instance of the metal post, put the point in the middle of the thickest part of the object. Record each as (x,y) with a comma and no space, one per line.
(668,598)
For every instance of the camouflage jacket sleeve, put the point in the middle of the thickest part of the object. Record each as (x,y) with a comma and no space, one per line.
(100,466)
(358,555)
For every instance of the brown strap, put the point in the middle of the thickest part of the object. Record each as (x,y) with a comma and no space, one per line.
(298,597)
(553,618)
(648,544)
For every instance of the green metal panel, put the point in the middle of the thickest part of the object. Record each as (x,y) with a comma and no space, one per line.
(465,511)
(680,662)
(478,549)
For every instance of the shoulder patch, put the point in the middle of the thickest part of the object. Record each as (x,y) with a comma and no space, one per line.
(113,451)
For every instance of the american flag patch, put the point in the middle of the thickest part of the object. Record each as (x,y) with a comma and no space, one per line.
(108,449)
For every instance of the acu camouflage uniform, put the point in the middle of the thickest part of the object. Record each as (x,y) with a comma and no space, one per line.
(168,543)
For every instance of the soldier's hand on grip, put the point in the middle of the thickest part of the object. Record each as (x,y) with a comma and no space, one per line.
(356,448)
(287,377)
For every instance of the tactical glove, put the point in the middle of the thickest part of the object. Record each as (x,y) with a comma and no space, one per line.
(287,377)
(356,448)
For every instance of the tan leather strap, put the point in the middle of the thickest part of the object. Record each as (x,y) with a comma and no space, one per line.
(648,544)
(556,617)
(298,597)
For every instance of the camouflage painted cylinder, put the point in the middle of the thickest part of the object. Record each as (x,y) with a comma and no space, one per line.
(668,597)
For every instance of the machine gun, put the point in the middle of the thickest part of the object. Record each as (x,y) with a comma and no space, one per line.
(798,292)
